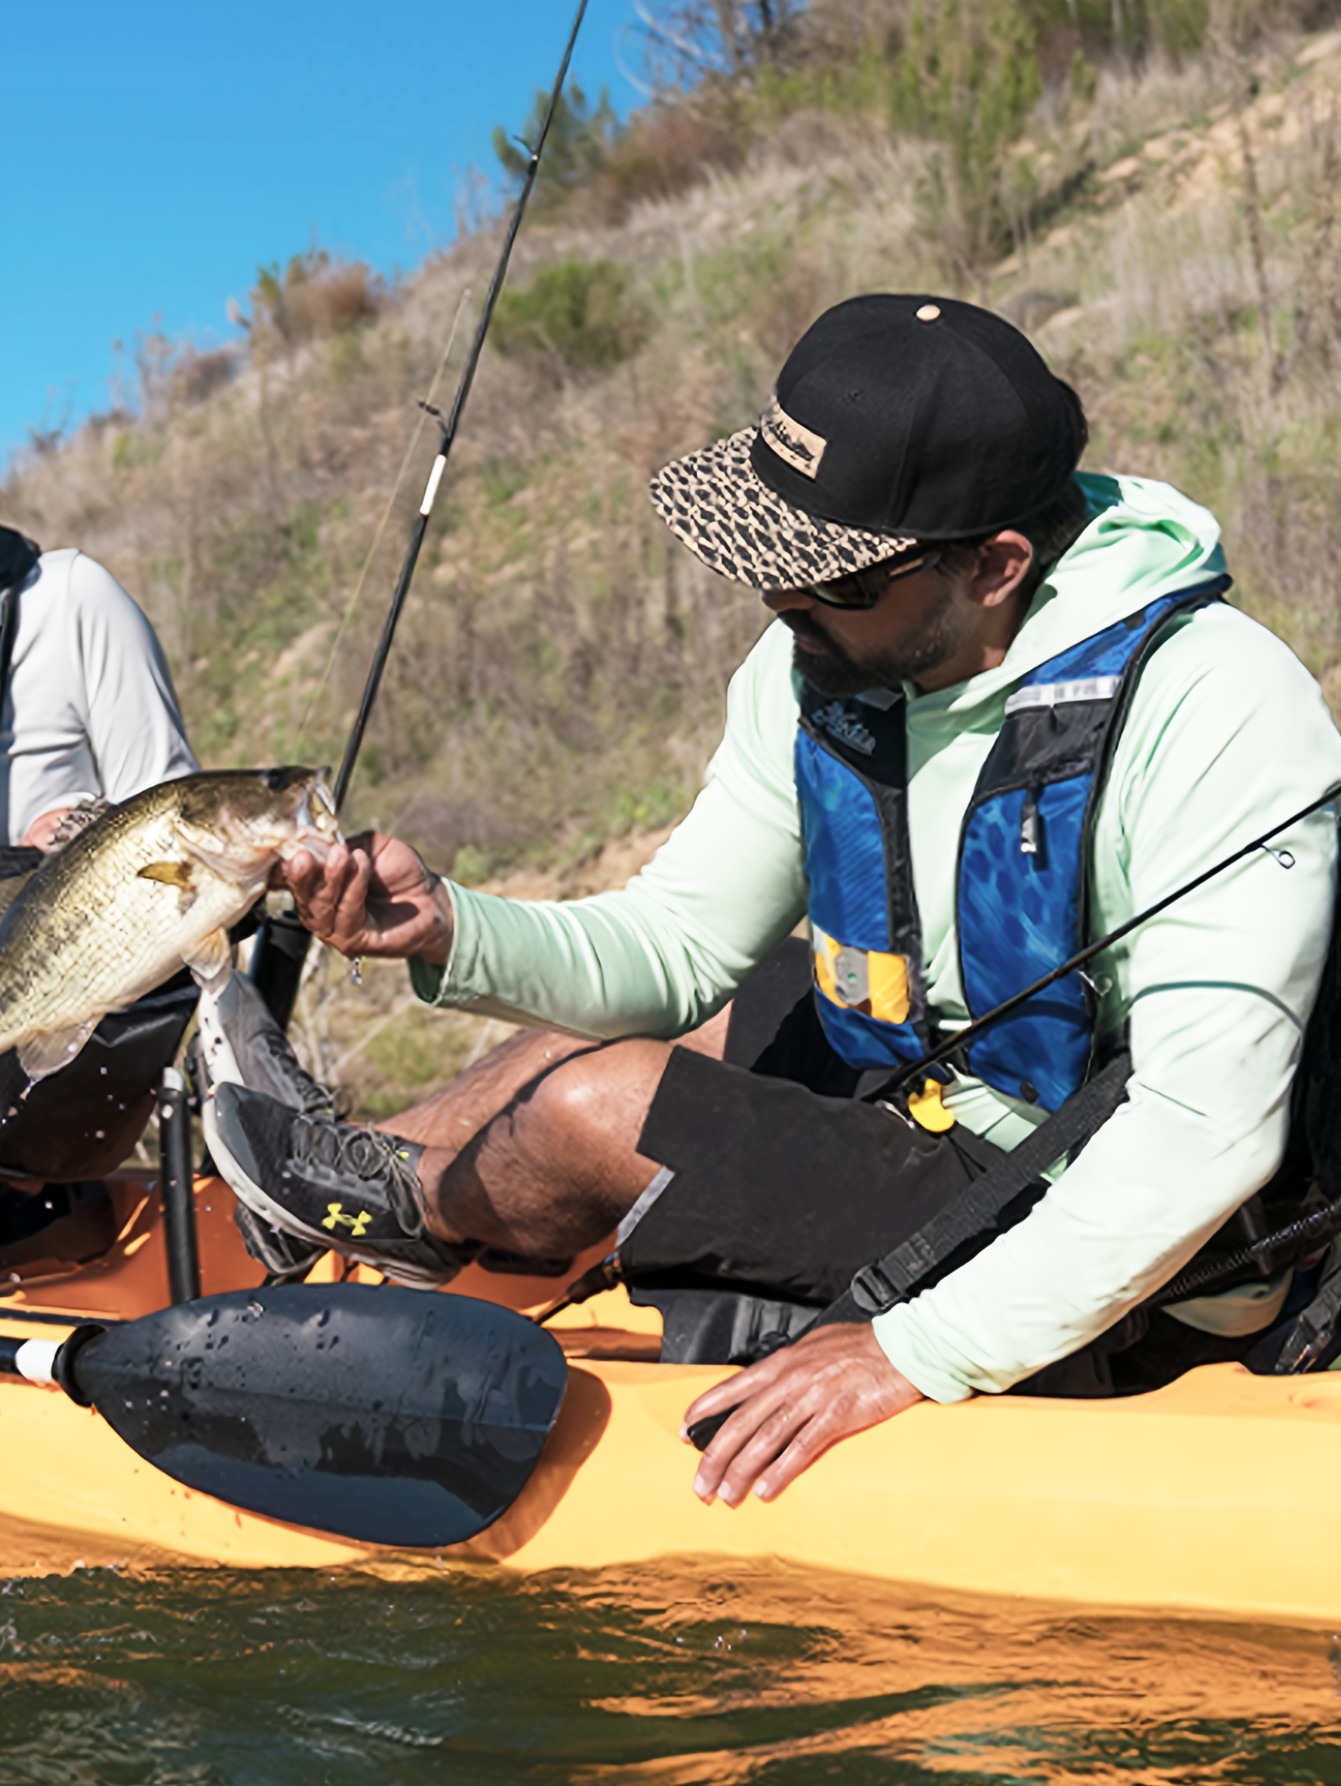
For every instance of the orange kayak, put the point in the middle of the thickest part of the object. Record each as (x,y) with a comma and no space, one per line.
(1215,1495)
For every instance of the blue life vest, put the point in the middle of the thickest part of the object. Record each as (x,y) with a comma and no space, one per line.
(1021,897)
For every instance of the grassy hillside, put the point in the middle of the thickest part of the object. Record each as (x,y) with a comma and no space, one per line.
(1166,231)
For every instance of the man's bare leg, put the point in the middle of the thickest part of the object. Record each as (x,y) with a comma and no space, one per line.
(534,1148)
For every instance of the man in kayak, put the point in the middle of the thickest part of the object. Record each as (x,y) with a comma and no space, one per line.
(1004,708)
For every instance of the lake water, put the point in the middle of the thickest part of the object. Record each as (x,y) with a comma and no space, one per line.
(663,1675)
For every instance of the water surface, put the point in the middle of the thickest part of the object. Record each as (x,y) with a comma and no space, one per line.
(664,1675)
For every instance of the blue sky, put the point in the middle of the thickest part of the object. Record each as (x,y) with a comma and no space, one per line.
(154,152)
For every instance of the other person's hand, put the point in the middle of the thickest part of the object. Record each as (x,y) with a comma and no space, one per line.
(791,1407)
(41,834)
(373,896)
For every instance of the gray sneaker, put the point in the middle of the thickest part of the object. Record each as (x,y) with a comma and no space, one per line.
(238,1042)
(353,1189)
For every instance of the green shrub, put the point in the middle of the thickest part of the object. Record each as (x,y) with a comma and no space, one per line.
(575,316)
(314,295)
(579,138)
(1179,26)
(969,79)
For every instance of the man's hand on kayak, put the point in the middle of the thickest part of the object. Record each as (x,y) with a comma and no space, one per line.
(373,896)
(791,1407)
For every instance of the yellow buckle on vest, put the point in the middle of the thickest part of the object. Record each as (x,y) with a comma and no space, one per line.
(866,980)
(927,1110)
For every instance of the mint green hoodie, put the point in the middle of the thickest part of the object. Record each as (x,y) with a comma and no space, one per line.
(1226,733)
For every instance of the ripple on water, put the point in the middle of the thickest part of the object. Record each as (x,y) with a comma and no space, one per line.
(663,1675)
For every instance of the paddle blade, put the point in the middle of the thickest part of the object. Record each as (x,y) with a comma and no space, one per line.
(392,1416)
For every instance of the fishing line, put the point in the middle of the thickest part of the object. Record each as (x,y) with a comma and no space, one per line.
(449,425)
(425,410)
(281,943)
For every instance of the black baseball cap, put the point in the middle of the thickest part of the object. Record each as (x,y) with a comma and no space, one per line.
(897,419)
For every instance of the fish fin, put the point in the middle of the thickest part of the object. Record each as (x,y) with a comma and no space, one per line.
(211,958)
(53,1048)
(78,819)
(172,874)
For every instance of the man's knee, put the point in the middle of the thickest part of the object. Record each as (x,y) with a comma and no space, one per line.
(595,1103)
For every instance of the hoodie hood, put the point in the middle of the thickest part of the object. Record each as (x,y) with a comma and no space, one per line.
(1144,539)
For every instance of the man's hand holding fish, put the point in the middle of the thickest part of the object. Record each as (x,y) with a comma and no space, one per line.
(373,896)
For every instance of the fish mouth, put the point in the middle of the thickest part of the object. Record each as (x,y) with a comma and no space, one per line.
(316,820)
(241,844)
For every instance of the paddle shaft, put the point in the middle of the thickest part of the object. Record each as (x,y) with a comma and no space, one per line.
(34,1360)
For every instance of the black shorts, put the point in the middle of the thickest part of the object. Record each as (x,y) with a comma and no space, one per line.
(785,1183)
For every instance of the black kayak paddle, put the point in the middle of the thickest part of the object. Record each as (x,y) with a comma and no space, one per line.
(389,1416)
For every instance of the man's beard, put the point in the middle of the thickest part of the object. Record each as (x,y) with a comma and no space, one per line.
(831,671)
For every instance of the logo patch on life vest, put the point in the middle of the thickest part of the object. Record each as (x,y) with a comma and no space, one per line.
(867,980)
(796,445)
(839,723)
(335,1217)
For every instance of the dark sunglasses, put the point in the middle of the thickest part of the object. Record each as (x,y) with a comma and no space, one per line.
(863,589)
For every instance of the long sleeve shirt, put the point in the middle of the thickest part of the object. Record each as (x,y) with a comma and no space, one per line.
(1226,733)
(89,710)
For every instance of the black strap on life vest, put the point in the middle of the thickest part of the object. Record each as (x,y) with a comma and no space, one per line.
(18,555)
(974,1212)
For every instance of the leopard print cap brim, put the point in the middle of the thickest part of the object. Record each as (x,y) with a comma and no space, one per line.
(715,502)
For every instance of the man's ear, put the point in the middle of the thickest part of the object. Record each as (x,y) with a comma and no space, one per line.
(1002,565)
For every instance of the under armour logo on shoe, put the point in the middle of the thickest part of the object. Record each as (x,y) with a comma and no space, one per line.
(335,1217)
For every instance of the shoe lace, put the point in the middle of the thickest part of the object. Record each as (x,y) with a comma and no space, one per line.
(365,1154)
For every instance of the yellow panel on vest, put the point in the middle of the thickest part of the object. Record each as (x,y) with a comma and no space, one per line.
(866,980)
(889,987)
(927,1110)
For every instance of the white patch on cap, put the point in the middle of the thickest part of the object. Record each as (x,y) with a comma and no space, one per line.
(797,446)
(928,313)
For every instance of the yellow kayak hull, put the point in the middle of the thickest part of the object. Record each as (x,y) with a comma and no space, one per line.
(1217,1495)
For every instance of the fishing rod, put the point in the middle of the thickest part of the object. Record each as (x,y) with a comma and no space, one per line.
(962,1037)
(607,1272)
(282,941)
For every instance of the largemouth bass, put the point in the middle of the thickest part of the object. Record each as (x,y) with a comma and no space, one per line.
(150,886)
